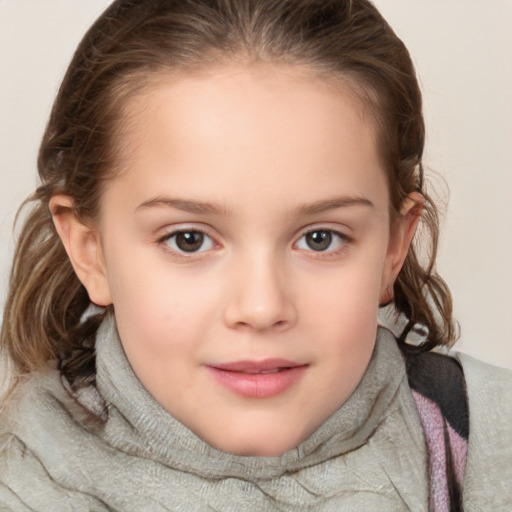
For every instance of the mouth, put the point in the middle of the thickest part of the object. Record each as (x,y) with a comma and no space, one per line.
(258,379)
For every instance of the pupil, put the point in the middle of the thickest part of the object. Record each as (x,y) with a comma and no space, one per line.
(319,240)
(189,241)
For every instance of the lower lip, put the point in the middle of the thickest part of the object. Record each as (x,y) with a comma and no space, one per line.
(258,385)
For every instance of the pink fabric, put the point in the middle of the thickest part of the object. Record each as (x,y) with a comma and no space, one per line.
(433,427)
(459,450)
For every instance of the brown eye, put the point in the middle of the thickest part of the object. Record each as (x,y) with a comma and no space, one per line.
(189,241)
(319,240)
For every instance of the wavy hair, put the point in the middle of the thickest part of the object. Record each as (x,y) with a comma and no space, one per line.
(130,45)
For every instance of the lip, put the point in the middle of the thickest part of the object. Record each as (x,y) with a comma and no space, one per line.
(258,379)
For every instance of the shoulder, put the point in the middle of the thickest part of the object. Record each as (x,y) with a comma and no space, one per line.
(30,395)
(486,383)
(35,427)
(489,463)
(490,397)
(38,398)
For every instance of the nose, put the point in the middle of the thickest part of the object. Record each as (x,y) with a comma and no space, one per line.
(260,297)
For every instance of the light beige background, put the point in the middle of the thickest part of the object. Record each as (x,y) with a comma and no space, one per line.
(463,53)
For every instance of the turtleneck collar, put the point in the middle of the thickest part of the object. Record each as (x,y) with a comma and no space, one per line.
(152,432)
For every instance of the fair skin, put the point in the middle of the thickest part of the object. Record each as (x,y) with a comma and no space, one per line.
(246,247)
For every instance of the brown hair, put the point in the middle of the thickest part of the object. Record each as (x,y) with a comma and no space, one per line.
(134,41)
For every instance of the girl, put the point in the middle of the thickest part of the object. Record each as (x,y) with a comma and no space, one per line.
(230,191)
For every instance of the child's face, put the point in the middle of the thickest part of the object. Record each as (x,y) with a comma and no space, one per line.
(246,247)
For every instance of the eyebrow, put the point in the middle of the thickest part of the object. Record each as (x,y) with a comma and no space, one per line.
(198,207)
(205,207)
(332,204)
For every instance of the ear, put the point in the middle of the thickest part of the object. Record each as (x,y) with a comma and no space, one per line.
(83,246)
(402,232)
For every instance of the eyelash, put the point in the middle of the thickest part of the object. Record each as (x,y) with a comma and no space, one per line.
(343,241)
(164,242)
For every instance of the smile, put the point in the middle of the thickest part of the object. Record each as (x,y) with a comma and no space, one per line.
(258,379)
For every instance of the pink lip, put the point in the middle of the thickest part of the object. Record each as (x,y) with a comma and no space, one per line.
(258,379)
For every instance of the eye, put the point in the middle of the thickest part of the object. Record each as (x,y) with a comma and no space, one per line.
(321,240)
(188,241)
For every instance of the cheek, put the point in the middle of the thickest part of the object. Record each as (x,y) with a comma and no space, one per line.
(165,306)
(342,307)
(353,287)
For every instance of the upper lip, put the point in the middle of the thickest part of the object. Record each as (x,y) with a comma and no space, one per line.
(249,366)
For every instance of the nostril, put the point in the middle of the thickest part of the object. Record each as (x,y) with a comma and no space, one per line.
(258,309)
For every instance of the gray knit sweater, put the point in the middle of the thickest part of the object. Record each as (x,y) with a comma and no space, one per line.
(369,456)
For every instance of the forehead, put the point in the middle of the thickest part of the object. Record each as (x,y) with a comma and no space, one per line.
(274,126)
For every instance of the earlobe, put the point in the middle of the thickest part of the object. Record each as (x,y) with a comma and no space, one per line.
(401,236)
(83,247)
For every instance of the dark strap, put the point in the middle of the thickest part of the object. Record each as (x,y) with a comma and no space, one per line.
(439,390)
